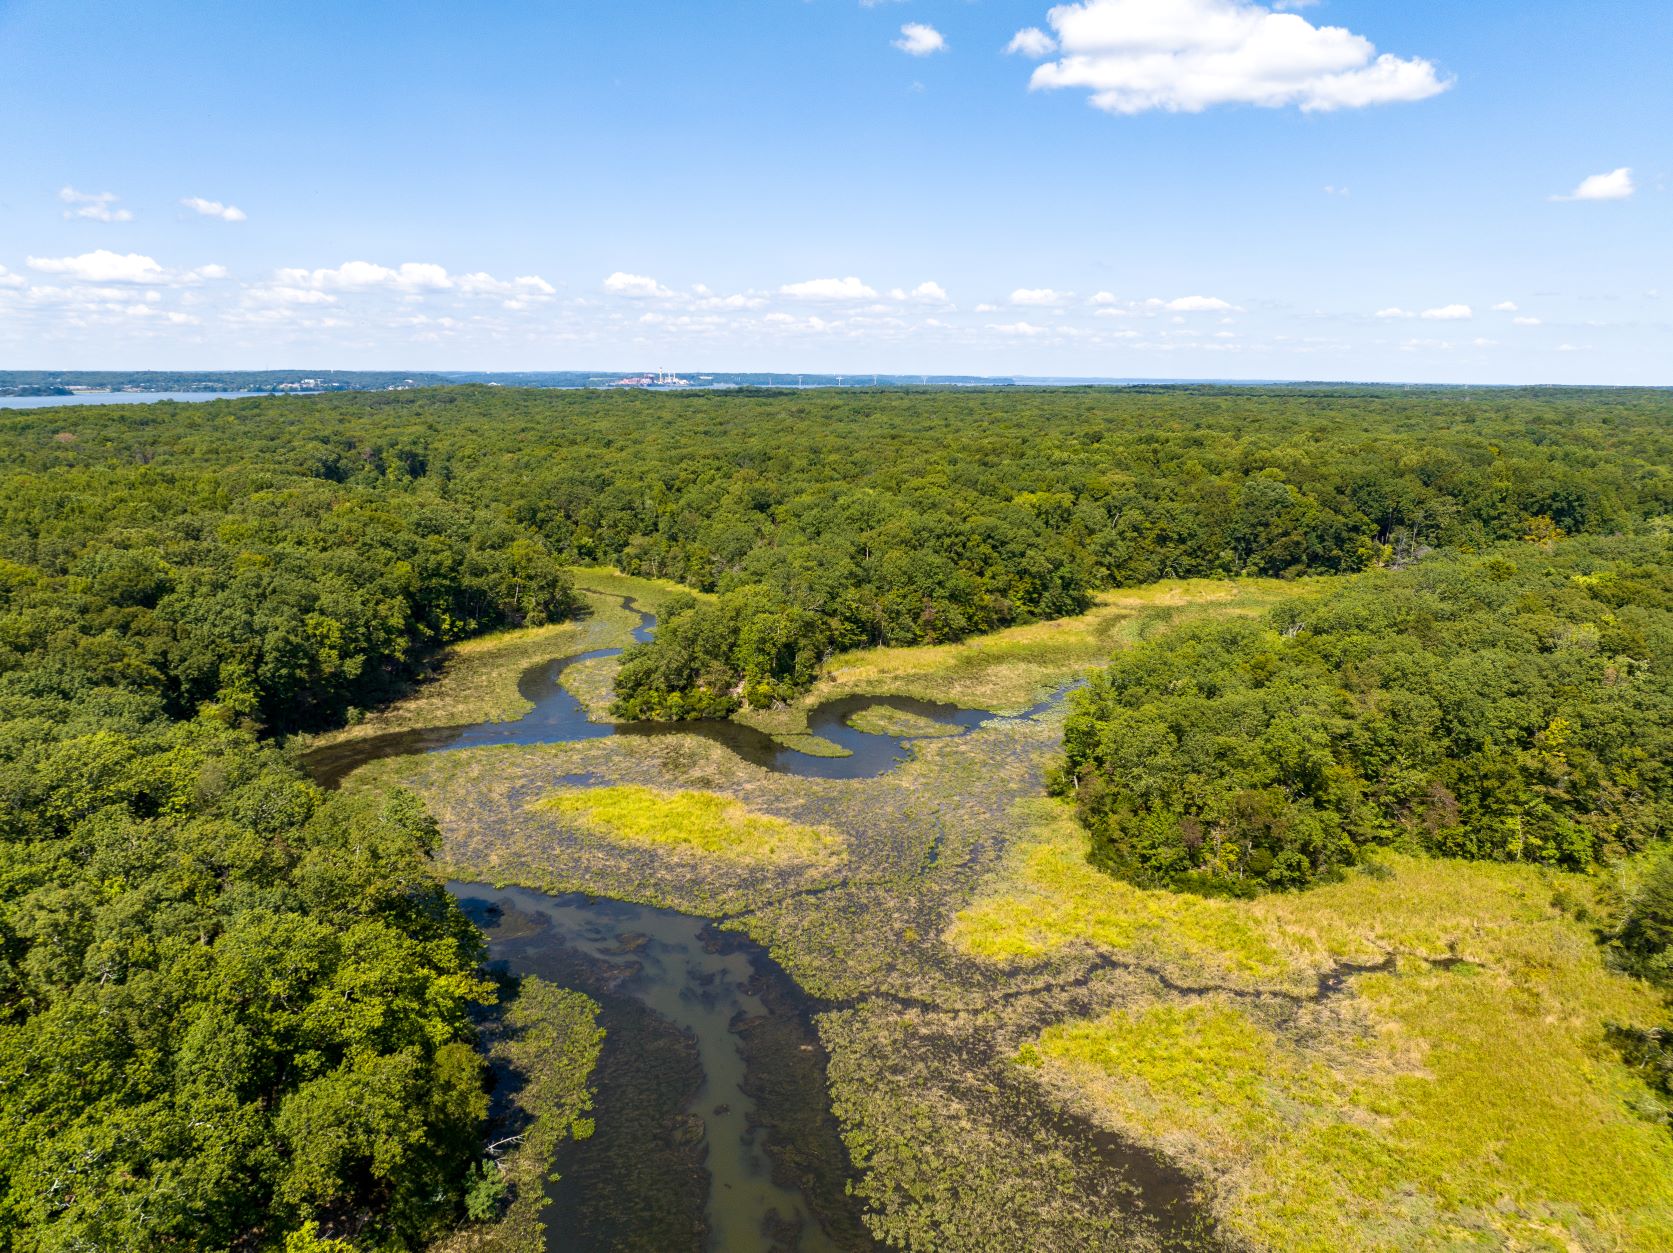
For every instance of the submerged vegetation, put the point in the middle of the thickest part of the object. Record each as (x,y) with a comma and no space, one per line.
(689,822)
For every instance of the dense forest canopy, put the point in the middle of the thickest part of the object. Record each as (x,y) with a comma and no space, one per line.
(231,1007)
(1513,706)
(228,1005)
(833,519)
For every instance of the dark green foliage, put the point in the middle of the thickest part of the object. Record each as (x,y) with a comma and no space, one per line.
(1512,707)
(285,599)
(1642,943)
(828,520)
(227,1003)
(229,1006)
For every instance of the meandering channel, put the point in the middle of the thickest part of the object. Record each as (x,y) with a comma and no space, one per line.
(714,1127)
(557,717)
(715,1130)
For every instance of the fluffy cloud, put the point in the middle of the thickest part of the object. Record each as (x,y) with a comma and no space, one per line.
(526,285)
(1199,304)
(1450,313)
(99,207)
(102,266)
(1044,296)
(411,276)
(919,40)
(1189,55)
(281,294)
(929,293)
(1026,330)
(8,279)
(1395,312)
(214,209)
(1615,185)
(828,289)
(1031,41)
(1505,306)
(638,286)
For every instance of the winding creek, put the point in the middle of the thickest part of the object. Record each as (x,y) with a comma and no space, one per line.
(558,717)
(714,1125)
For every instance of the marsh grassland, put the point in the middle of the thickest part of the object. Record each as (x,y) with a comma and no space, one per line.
(476,680)
(1028,1054)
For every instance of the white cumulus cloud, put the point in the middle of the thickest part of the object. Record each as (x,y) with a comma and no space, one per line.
(919,40)
(639,286)
(828,289)
(1031,41)
(1450,313)
(1505,306)
(410,276)
(1039,296)
(1199,304)
(521,287)
(1615,185)
(102,266)
(1395,312)
(214,209)
(1189,55)
(94,206)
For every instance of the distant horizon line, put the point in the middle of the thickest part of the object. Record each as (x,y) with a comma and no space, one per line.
(845,379)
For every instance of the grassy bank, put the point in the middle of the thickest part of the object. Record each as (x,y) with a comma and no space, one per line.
(1009,670)
(1466,1096)
(543,1048)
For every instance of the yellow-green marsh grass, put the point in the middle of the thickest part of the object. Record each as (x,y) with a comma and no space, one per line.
(882,720)
(703,823)
(647,592)
(1008,670)
(1425,1107)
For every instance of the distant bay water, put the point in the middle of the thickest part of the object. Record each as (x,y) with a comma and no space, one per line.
(119,398)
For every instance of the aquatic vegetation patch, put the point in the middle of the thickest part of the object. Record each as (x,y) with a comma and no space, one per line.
(1465,1092)
(899,723)
(543,1047)
(698,822)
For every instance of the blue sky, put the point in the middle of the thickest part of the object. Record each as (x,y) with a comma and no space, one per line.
(1342,189)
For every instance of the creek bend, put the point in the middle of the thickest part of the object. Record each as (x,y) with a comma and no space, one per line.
(557,717)
(714,1130)
(714,1124)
